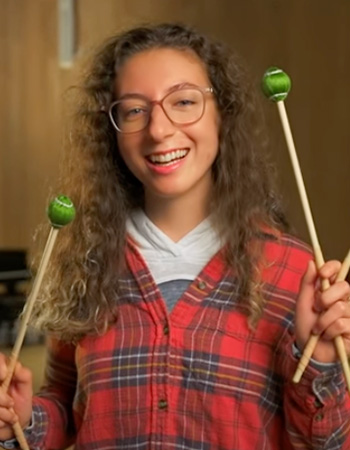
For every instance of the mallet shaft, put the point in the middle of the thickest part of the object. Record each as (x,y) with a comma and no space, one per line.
(24,325)
(29,307)
(311,344)
(300,184)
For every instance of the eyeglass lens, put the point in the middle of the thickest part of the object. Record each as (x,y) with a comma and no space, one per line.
(181,106)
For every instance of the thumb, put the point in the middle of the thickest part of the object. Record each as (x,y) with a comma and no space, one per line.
(22,375)
(21,383)
(307,289)
(306,316)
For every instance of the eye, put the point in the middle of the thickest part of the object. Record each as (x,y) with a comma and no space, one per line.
(129,111)
(185,102)
(184,99)
(134,112)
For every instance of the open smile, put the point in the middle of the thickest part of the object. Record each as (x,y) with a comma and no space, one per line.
(166,159)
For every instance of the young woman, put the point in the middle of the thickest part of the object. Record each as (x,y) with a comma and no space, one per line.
(177,305)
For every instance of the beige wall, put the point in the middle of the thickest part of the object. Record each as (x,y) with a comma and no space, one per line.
(308,38)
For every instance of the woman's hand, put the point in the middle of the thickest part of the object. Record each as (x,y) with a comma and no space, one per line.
(326,314)
(16,404)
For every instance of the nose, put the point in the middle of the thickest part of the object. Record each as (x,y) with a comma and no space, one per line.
(160,126)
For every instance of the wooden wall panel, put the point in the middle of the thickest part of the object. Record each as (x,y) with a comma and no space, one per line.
(308,39)
(30,142)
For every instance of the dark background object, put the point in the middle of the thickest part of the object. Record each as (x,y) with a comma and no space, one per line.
(13,271)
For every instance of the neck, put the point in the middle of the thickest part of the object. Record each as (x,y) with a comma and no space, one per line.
(177,216)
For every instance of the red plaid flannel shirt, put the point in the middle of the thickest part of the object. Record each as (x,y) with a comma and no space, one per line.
(198,378)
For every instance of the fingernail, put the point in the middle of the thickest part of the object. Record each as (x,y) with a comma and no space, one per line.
(316,330)
(316,308)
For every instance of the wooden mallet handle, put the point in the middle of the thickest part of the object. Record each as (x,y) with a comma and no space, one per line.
(61,212)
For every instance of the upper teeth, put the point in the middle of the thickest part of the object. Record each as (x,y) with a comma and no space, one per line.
(167,157)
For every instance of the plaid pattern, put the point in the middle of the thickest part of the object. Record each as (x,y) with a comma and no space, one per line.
(198,379)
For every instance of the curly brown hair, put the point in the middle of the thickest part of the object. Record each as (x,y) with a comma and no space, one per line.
(81,294)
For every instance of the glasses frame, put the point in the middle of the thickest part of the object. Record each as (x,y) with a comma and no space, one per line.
(152,103)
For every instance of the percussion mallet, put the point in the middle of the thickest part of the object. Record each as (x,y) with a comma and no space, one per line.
(276,86)
(61,212)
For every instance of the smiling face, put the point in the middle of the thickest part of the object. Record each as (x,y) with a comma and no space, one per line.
(170,160)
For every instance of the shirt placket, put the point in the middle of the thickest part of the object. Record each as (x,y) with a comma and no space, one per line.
(159,378)
(160,350)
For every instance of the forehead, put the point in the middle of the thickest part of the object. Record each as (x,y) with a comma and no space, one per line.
(154,71)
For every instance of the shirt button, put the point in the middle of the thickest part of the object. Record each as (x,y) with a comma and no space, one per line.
(166,330)
(319,417)
(317,403)
(202,285)
(162,404)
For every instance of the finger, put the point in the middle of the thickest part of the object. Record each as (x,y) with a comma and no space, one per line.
(340,327)
(307,288)
(22,374)
(338,291)
(305,315)
(330,270)
(22,381)
(5,399)
(8,416)
(339,310)
(3,366)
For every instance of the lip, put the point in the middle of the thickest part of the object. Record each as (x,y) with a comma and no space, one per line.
(165,170)
(165,152)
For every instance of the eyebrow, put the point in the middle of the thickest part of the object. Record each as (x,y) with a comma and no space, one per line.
(172,88)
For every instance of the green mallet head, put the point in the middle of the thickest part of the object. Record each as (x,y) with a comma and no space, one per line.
(276,84)
(61,211)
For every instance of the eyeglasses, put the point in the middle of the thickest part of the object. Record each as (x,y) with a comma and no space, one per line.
(182,106)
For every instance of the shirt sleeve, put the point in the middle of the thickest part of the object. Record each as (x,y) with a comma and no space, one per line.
(53,422)
(13,443)
(317,409)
